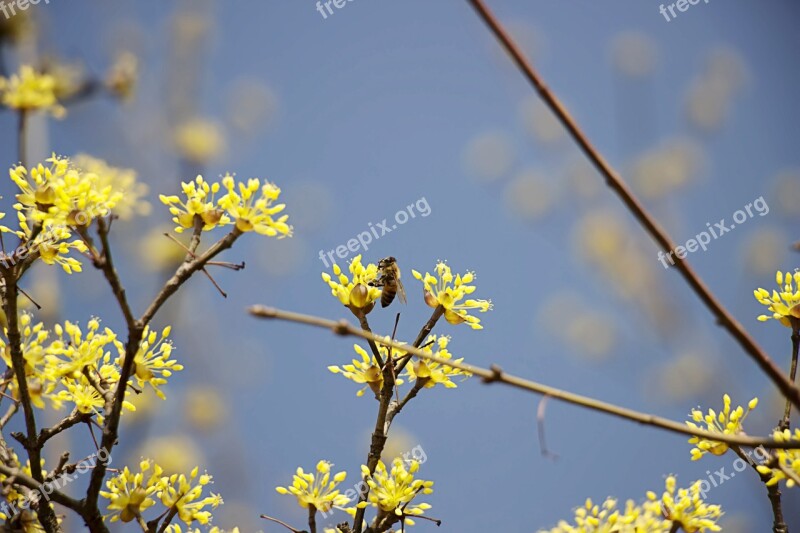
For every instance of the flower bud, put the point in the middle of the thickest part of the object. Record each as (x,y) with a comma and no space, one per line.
(359,296)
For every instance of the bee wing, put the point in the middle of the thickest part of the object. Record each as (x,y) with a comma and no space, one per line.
(401,292)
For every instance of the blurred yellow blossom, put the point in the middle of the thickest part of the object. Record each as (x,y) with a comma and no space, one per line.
(30,91)
(132,200)
(726,422)
(448,291)
(199,140)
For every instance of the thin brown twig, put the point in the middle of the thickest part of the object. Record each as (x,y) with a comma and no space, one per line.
(496,375)
(93,517)
(787,412)
(773,493)
(659,235)
(284,524)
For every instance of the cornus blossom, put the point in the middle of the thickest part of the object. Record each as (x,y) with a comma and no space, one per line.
(354,291)
(392,492)
(432,373)
(450,292)
(787,462)
(366,370)
(317,490)
(726,422)
(784,305)
(30,91)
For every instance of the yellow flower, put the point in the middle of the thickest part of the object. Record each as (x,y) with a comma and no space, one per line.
(784,305)
(432,373)
(85,397)
(185,494)
(318,489)
(355,293)
(725,422)
(152,363)
(41,382)
(199,201)
(68,356)
(392,492)
(788,460)
(609,518)
(124,180)
(252,211)
(366,370)
(63,194)
(131,494)
(31,91)
(447,291)
(686,506)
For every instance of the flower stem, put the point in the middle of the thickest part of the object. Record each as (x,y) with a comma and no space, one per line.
(786,422)
(22,137)
(312,519)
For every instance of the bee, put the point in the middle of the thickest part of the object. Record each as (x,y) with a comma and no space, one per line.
(389,281)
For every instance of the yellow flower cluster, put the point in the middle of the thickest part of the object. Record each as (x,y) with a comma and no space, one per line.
(58,196)
(249,206)
(130,494)
(726,422)
(366,369)
(686,506)
(608,518)
(29,90)
(355,291)
(784,305)
(392,492)
(432,373)
(131,201)
(152,363)
(448,291)
(788,461)
(77,366)
(318,489)
(683,508)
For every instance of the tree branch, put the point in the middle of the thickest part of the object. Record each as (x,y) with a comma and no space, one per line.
(496,375)
(659,235)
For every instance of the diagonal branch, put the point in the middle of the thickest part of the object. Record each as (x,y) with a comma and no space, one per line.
(659,235)
(496,375)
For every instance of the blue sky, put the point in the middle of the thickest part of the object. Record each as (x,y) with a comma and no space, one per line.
(376,107)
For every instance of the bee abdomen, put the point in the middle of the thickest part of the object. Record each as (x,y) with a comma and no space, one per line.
(387,296)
